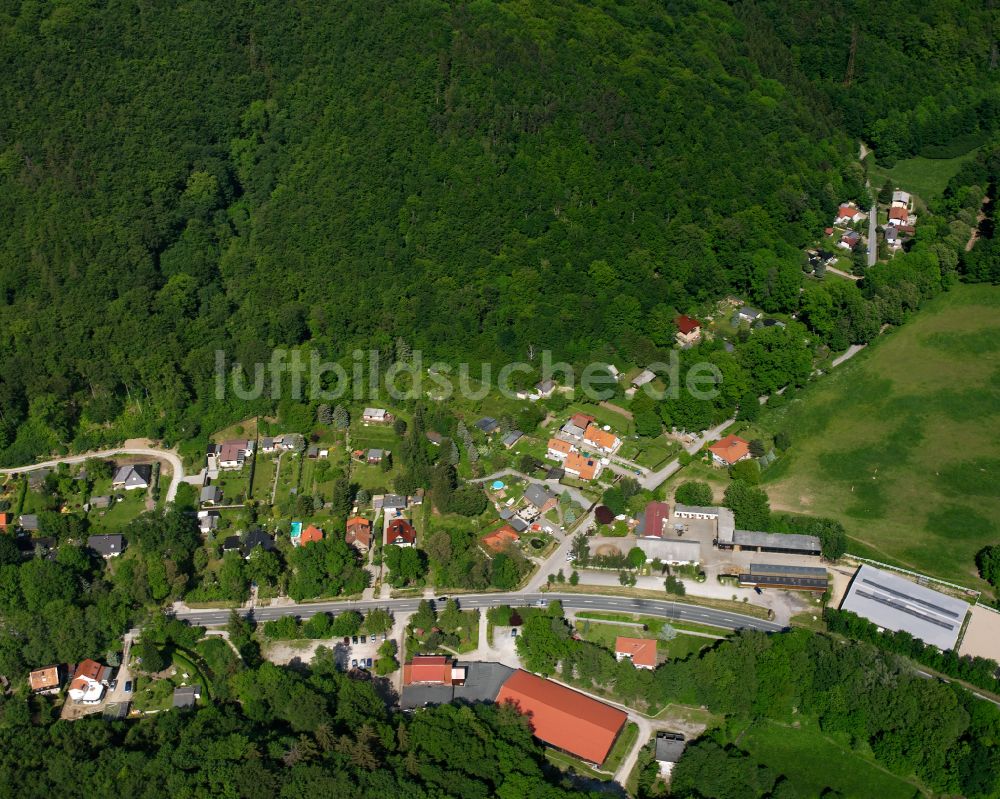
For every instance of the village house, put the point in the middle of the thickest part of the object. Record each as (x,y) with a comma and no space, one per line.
(311,534)
(133,476)
(602,440)
(512,438)
(6,520)
(45,681)
(669,748)
(229,454)
(688,331)
(375,456)
(359,533)
(899,215)
(558,449)
(256,538)
(210,495)
(487,425)
(208,521)
(545,388)
(641,651)
(540,498)
(901,199)
(400,533)
(747,314)
(186,696)
(376,416)
(729,450)
(582,466)
(849,240)
(107,546)
(87,685)
(848,214)
(433,670)
(28,522)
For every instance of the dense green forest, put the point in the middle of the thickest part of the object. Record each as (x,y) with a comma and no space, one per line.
(320,734)
(475,179)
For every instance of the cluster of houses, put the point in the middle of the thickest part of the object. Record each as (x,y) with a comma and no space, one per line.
(848,214)
(518,518)
(488,426)
(902,222)
(87,686)
(580,446)
(229,455)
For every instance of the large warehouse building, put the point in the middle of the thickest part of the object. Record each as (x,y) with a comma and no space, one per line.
(893,602)
(564,718)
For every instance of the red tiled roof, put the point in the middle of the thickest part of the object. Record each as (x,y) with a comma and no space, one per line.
(310,534)
(86,669)
(656,515)
(899,213)
(558,445)
(435,669)
(641,650)
(730,449)
(582,419)
(600,438)
(585,467)
(687,324)
(564,718)
(6,519)
(402,529)
(359,529)
(846,210)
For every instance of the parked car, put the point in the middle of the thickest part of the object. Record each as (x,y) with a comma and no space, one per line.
(369,662)
(128,686)
(354,663)
(354,639)
(347,640)
(442,599)
(364,639)
(757,588)
(513,633)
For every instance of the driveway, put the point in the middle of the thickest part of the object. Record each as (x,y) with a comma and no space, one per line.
(168,456)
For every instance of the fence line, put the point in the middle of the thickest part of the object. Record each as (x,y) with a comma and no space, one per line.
(965,589)
(990,608)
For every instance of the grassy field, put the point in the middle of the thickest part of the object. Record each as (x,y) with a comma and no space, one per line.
(925,177)
(900,443)
(605,633)
(813,761)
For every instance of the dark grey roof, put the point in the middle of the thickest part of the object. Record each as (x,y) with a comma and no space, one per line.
(538,495)
(506,513)
(393,501)
(512,438)
(134,475)
(211,494)
(106,545)
(519,524)
(487,424)
(231,543)
(29,521)
(375,454)
(257,538)
(556,473)
(27,545)
(186,695)
(777,542)
(669,747)
(482,684)
(103,501)
(771,569)
(893,602)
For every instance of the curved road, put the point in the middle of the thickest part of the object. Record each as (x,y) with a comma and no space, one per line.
(665,608)
(168,455)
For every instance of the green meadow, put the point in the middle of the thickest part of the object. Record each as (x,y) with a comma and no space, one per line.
(901,442)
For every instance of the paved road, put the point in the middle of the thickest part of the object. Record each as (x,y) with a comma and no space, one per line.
(168,455)
(651,607)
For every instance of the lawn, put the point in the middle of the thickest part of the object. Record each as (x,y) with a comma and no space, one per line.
(618,423)
(622,747)
(565,762)
(813,761)
(605,633)
(925,177)
(121,512)
(899,443)
(263,477)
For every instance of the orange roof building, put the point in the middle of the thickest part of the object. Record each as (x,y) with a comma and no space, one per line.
(310,534)
(581,466)
(729,450)
(641,651)
(559,449)
(498,539)
(564,718)
(433,670)
(359,532)
(602,439)
(6,519)
(44,680)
